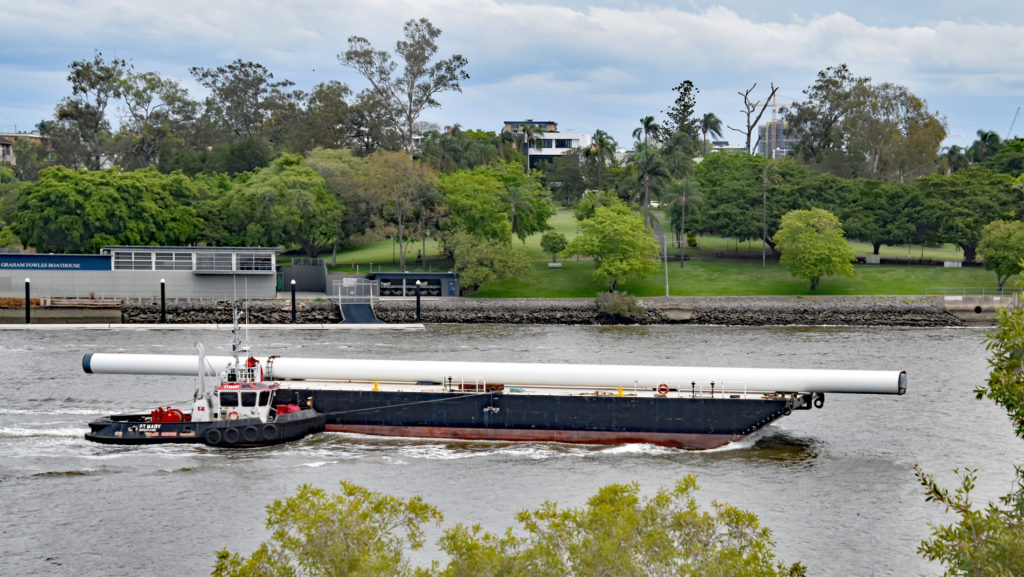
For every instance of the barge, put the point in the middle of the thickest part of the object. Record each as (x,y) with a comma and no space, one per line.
(683,407)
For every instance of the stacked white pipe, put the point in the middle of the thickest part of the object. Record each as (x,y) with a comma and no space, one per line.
(768,380)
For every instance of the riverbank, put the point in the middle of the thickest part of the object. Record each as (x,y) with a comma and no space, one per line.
(910,311)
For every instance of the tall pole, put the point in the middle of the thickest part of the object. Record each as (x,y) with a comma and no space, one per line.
(418,318)
(163,301)
(664,257)
(28,301)
(764,217)
(293,301)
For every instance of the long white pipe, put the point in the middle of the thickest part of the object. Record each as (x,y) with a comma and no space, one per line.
(595,376)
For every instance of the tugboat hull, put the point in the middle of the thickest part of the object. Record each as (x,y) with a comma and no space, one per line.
(139,430)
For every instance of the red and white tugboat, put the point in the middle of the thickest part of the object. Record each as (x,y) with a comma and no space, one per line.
(243,410)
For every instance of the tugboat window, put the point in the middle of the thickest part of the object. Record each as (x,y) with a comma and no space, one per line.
(229,399)
(264,398)
(248,399)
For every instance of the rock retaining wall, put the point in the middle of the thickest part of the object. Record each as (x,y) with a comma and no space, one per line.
(751,311)
(260,312)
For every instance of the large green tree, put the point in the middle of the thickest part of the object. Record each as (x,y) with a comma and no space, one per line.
(617,240)
(404,189)
(242,95)
(81,132)
(284,204)
(853,128)
(813,245)
(356,533)
(80,211)
(958,206)
(986,541)
(403,98)
(1002,248)
(618,532)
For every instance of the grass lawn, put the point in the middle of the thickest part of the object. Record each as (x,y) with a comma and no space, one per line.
(575,279)
(704,276)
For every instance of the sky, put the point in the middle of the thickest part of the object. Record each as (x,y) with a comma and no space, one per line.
(585,65)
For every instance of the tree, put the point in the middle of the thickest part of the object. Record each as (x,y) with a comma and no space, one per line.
(958,206)
(401,185)
(1002,248)
(553,242)
(602,149)
(710,124)
(646,132)
(619,244)
(404,98)
(283,204)
(80,135)
(750,108)
(241,95)
(813,245)
(985,146)
(356,532)
(685,192)
(157,110)
(988,541)
(480,260)
(618,532)
(81,211)
(681,113)
(852,128)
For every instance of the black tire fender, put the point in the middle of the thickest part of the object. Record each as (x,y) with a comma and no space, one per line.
(231,435)
(250,434)
(212,436)
(269,432)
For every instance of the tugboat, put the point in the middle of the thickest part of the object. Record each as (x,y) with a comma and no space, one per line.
(243,410)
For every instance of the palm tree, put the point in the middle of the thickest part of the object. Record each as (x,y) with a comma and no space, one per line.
(528,135)
(710,124)
(649,130)
(517,196)
(686,192)
(602,148)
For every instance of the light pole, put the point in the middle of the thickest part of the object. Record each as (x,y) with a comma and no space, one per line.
(293,301)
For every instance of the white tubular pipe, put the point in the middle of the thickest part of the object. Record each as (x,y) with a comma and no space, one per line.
(593,376)
(127,364)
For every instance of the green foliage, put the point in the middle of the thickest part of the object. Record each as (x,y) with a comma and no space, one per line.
(481,260)
(286,203)
(958,206)
(81,211)
(496,201)
(618,304)
(356,532)
(986,542)
(474,205)
(618,532)
(1009,159)
(618,243)
(554,243)
(401,99)
(813,245)
(1002,248)
(853,128)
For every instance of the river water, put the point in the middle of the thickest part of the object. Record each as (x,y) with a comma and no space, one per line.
(835,485)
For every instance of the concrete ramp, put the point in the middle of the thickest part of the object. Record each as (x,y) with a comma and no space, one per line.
(357,313)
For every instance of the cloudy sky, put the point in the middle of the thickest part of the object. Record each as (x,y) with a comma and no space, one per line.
(586,65)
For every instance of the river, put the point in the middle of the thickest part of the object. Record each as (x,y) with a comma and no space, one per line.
(835,485)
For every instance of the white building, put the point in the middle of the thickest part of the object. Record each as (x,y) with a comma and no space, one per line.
(550,143)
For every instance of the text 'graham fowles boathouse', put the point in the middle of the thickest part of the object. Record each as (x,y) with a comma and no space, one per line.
(137,271)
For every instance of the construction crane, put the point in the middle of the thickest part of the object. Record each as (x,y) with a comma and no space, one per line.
(1009,133)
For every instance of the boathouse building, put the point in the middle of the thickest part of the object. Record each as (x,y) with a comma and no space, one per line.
(137,271)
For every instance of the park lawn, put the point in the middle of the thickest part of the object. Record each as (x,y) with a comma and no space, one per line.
(727,278)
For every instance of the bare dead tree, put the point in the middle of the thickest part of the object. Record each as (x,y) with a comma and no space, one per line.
(754,109)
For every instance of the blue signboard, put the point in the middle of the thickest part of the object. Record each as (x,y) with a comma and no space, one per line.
(69,262)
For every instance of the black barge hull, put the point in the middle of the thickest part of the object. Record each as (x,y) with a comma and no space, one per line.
(140,430)
(677,421)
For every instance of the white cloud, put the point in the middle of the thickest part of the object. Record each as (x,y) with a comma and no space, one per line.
(600,64)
